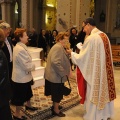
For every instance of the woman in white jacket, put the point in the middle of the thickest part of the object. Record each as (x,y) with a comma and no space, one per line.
(21,75)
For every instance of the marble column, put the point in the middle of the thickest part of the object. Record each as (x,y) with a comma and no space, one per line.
(3,9)
(8,13)
(24,13)
(12,15)
(77,13)
(43,15)
(108,12)
(36,16)
(31,14)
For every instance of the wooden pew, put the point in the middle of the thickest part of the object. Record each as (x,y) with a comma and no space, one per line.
(116,54)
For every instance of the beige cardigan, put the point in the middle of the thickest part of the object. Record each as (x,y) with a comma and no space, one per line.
(58,64)
(22,64)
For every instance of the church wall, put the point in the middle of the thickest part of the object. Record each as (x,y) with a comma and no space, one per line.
(84,11)
(71,13)
(100,8)
(109,7)
(114,32)
(63,15)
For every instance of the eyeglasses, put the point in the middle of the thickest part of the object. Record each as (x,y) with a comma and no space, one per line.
(84,26)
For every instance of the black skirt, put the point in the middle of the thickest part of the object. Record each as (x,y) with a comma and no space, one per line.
(53,89)
(22,92)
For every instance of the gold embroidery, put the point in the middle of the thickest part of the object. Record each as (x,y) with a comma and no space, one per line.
(109,68)
(102,93)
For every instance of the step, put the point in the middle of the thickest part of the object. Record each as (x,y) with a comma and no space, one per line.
(37,62)
(35,52)
(39,71)
(38,81)
(34,48)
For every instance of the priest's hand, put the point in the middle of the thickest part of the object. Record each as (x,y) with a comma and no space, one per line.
(69,51)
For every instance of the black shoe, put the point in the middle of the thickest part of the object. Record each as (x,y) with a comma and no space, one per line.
(31,108)
(60,114)
(60,107)
(22,118)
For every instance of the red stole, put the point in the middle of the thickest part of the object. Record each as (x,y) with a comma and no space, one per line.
(81,85)
(109,68)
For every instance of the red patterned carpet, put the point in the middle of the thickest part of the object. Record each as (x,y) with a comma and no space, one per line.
(44,103)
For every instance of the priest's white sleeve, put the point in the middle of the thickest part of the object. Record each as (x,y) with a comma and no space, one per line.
(75,57)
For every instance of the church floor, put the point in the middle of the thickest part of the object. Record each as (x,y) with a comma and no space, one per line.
(77,112)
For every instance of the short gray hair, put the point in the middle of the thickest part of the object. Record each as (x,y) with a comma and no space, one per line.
(4,25)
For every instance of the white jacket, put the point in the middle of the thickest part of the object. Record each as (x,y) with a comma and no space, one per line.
(22,64)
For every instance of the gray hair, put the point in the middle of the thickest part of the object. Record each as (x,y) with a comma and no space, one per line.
(4,25)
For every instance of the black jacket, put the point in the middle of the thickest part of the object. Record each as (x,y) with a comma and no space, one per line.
(5,88)
(6,51)
(7,54)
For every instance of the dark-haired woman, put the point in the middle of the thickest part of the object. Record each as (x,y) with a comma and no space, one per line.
(73,42)
(53,38)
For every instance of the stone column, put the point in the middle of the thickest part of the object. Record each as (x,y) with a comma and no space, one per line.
(43,15)
(8,13)
(31,14)
(77,13)
(4,7)
(12,15)
(36,16)
(108,12)
(24,14)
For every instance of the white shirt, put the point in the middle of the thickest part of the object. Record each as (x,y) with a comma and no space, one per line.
(9,49)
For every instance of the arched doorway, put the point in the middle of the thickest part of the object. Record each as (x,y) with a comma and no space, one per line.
(47,14)
(17,13)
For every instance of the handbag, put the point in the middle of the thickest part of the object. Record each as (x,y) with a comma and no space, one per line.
(65,90)
(32,82)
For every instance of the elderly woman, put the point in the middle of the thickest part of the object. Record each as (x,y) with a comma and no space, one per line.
(21,75)
(5,113)
(58,66)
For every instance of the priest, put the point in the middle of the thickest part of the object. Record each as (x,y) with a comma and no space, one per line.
(96,66)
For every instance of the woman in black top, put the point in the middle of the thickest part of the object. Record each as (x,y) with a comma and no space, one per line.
(53,38)
(73,38)
(42,43)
